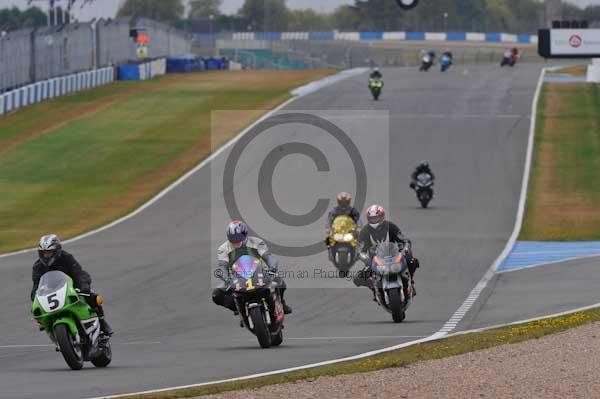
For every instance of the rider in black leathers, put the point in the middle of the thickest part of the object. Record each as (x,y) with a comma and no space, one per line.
(423,167)
(344,207)
(376,74)
(377,230)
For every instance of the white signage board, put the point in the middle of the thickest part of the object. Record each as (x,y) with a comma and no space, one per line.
(577,42)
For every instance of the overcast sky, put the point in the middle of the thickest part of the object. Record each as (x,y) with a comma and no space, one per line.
(108,8)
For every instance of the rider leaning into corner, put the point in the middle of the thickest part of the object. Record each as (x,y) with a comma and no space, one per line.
(238,244)
(377,230)
(423,167)
(52,257)
(449,54)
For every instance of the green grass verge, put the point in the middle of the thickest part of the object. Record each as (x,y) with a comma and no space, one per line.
(451,346)
(578,70)
(563,201)
(77,162)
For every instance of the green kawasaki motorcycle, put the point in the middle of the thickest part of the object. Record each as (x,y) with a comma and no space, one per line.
(70,322)
(376,86)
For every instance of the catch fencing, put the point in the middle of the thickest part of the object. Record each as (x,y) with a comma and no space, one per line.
(32,55)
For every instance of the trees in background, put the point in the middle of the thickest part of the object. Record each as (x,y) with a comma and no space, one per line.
(266,15)
(13,18)
(168,11)
(309,20)
(204,8)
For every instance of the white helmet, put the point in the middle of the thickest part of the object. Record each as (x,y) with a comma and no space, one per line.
(49,249)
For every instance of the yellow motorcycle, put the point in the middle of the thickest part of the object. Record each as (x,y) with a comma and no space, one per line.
(343,242)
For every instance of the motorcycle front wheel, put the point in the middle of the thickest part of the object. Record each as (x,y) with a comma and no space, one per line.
(68,347)
(260,327)
(396,305)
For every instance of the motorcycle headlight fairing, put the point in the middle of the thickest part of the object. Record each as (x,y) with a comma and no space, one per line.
(343,237)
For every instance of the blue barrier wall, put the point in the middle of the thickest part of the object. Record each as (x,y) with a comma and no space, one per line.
(321,36)
(129,72)
(456,36)
(415,35)
(493,37)
(371,35)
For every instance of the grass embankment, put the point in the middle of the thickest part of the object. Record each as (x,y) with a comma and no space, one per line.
(564,195)
(77,162)
(451,346)
(577,70)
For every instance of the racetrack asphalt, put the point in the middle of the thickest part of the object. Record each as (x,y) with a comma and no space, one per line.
(471,123)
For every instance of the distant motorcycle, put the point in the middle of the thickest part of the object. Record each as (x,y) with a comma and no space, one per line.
(391,280)
(426,63)
(343,243)
(376,87)
(445,62)
(258,300)
(509,59)
(424,189)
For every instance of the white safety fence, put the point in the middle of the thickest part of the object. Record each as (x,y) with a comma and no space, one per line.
(593,71)
(153,69)
(52,88)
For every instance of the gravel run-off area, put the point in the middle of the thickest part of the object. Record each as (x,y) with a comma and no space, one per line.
(565,365)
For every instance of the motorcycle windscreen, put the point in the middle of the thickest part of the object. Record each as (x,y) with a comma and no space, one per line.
(387,250)
(387,258)
(51,282)
(424,178)
(343,225)
(246,266)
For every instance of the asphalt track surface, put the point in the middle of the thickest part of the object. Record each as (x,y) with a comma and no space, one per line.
(154,269)
(538,291)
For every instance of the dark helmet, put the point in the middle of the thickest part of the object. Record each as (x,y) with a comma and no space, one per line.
(237,232)
(344,200)
(424,165)
(49,249)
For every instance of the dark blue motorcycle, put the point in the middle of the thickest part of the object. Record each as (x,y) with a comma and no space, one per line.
(445,62)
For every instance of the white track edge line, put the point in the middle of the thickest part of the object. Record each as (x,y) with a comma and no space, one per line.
(482,284)
(512,323)
(443,332)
